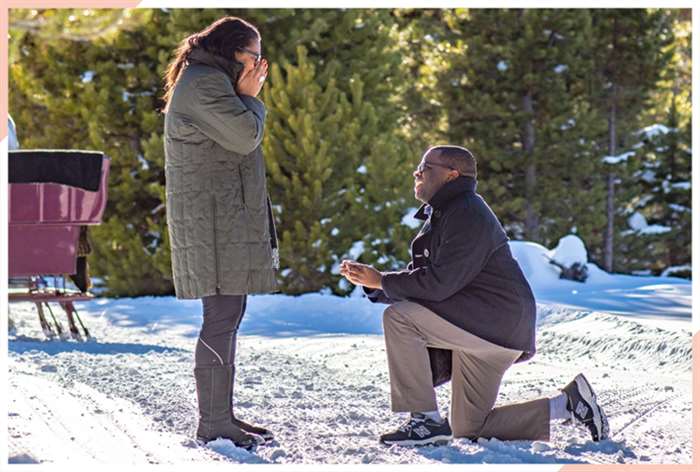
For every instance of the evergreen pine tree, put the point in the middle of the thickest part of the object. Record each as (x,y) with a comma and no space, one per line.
(628,50)
(662,173)
(424,37)
(512,85)
(103,95)
(515,94)
(667,155)
(328,162)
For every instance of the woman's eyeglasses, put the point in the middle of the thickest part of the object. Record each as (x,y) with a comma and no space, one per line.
(256,55)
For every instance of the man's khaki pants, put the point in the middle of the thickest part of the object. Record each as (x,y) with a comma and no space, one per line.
(477,369)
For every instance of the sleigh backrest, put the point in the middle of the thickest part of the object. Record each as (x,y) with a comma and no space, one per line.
(52,193)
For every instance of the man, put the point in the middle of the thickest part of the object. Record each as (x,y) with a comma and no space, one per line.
(463,292)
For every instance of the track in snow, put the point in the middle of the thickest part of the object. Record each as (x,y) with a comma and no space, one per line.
(327,397)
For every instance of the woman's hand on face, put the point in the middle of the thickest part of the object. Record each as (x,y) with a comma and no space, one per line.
(251,81)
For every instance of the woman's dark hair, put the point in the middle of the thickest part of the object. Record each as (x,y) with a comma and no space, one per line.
(223,38)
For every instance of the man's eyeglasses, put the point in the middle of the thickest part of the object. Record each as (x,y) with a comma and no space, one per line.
(423,166)
(256,55)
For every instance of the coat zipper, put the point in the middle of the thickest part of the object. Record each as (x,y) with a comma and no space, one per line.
(216,254)
(240,176)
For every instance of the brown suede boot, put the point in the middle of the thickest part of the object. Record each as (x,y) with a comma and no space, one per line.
(264,433)
(215,407)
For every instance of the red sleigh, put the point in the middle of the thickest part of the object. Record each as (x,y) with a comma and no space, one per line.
(52,195)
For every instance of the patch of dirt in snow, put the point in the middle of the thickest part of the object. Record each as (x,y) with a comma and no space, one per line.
(327,397)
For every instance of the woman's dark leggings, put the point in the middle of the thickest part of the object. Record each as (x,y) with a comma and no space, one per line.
(217,339)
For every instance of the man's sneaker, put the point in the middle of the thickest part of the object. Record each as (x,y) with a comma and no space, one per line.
(582,403)
(419,430)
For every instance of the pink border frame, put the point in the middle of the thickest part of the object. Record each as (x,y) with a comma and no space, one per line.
(4,77)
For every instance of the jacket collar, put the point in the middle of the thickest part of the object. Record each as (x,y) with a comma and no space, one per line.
(230,67)
(462,185)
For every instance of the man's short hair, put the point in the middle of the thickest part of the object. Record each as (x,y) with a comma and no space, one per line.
(457,157)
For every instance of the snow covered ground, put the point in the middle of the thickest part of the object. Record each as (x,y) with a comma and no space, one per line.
(313,369)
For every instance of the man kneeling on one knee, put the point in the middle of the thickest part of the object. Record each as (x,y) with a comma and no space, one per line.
(462,311)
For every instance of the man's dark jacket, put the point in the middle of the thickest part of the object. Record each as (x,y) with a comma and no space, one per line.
(462,269)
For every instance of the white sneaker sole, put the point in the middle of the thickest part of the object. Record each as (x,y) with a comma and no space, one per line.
(435,440)
(599,419)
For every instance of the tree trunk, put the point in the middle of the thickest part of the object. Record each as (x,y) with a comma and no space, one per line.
(673,123)
(532,229)
(610,210)
(674,256)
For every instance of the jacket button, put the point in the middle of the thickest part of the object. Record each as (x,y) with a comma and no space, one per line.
(426,253)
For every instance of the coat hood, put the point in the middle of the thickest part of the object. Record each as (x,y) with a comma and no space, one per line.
(230,67)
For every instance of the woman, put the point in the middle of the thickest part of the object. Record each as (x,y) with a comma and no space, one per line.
(220,224)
